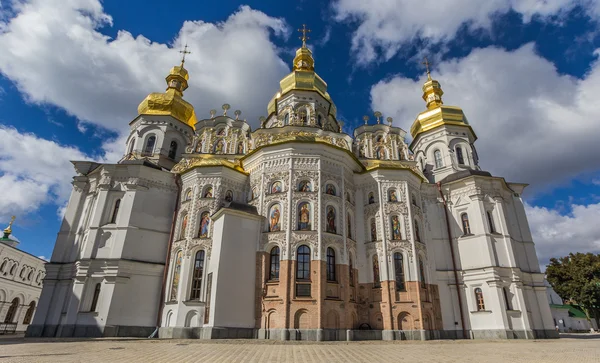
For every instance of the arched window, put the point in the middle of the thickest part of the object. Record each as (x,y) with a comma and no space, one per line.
(417,234)
(274,264)
(465,224)
(437,156)
(188,195)
(131,144)
(3,266)
(95,297)
(319,120)
(351,268)
(115,213)
(422,273)
(149,148)
(330,264)
(304,186)
(276,187)
(479,299)
(491,222)
(197,275)
(13,269)
(376,278)
(29,313)
(183,228)
(240,147)
(12,311)
(176,275)
(459,155)
(173,150)
(303,263)
(286,119)
(399,271)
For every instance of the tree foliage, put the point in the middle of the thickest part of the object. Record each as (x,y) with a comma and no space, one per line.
(576,278)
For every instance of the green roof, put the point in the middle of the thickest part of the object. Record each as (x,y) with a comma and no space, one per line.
(574,310)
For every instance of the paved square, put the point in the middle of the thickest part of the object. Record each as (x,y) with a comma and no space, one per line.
(581,350)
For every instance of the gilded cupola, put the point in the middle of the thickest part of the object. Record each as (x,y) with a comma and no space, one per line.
(171,102)
(303,77)
(437,114)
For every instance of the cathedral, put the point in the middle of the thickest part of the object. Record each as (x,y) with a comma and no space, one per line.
(295,230)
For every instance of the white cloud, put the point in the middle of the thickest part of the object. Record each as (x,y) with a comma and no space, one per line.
(54,53)
(385,25)
(534,125)
(33,171)
(557,235)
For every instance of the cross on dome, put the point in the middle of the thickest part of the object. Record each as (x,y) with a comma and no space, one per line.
(184,52)
(304,37)
(426,63)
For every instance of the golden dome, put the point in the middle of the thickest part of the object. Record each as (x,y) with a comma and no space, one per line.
(437,114)
(303,77)
(171,102)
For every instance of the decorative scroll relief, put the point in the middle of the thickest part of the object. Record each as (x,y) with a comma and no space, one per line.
(395,207)
(309,238)
(300,175)
(374,247)
(196,244)
(274,238)
(282,176)
(371,210)
(337,242)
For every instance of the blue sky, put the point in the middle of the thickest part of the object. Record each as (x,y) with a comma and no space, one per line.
(72,73)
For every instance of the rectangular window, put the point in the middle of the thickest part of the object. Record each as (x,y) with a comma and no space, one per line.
(302,289)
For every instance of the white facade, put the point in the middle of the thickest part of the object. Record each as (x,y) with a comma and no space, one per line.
(21,278)
(295,230)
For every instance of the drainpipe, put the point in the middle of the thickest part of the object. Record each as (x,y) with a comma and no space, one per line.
(168,259)
(460,305)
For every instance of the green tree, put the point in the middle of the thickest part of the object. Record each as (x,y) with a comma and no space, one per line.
(576,278)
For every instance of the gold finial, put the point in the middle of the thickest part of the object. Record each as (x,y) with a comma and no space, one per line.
(390,120)
(237,114)
(378,115)
(426,63)
(225,107)
(184,52)
(304,37)
(366,119)
(8,230)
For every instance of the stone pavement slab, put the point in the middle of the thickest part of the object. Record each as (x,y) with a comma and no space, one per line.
(581,349)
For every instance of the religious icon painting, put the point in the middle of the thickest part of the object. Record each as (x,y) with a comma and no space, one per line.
(240,148)
(188,194)
(184,223)
(393,196)
(396,234)
(219,146)
(331,227)
(371,198)
(208,192)
(304,186)
(330,189)
(176,275)
(221,132)
(304,217)
(204,225)
(229,196)
(276,187)
(274,218)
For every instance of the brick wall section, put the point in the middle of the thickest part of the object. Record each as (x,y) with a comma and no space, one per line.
(331,305)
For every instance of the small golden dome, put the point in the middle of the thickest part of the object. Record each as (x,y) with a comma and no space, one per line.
(171,102)
(437,114)
(303,77)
